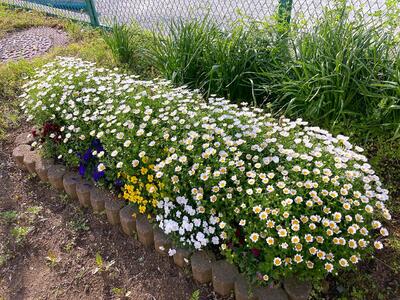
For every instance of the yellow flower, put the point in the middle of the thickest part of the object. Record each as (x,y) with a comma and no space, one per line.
(143,170)
(145,159)
(150,178)
(142,209)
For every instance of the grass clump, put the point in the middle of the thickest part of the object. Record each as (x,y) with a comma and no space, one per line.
(19,18)
(200,54)
(129,45)
(344,73)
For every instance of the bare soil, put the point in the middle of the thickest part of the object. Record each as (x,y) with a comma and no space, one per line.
(57,258)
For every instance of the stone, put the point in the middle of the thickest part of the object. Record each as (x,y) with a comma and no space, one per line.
(161,242)
(42,166)
(296,289)
(19,153)
(30,161)
(201,266)
(223,277)
(24,138)
(127,216)
(70,180)
(243,290)
(31,42)
(83,190)
(55,174)
(269,293)
(182,257)
(113,206)
(97,199)
(144,231)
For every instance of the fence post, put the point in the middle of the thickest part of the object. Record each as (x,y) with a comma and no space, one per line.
(285,10)
(91,10)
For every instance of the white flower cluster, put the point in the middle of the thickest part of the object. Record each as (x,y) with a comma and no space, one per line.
(181,218)
(279,195)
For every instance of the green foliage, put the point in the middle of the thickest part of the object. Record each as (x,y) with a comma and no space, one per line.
(195,295)
(344,73)
(52,258)
(8,216)
(17,19)
(99,260)
(102,266)
(128,45)
(179,55)
(200,54)
(20,232)
(79,223)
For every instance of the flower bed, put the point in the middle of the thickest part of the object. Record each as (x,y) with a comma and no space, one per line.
(278,198)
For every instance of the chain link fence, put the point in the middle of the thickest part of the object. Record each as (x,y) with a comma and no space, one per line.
(153,13)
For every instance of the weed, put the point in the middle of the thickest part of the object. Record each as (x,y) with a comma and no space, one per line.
(69,246)
(78,223)
(8,216)
(195,295)
(102,266)
(64,198)
(3,259)
(52,258)
(20,233)
(5,254)
(34,210)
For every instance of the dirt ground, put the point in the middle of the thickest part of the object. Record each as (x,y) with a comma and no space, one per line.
(48,249)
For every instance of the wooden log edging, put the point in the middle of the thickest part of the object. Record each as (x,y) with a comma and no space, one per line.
(224,277)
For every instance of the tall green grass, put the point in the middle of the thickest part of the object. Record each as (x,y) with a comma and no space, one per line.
(129,45)
(200,54)
(343,74)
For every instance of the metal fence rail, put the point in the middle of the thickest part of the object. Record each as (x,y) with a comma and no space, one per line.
(152,13)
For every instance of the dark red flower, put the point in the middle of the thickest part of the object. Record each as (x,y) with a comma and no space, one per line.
(256,252)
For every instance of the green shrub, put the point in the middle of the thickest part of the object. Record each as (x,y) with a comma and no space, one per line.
(344,73)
